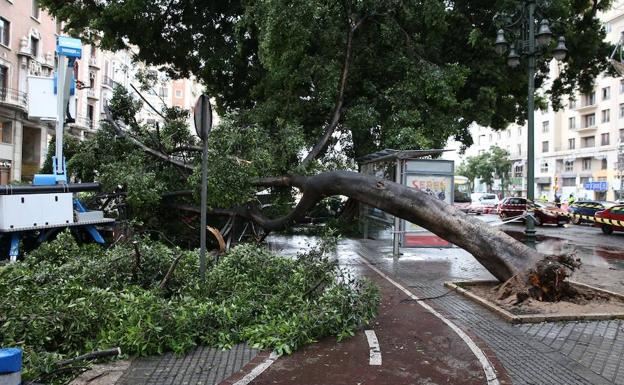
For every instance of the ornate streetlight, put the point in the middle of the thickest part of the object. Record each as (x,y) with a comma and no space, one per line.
(528,44)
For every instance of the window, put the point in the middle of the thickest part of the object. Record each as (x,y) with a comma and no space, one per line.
(589,120)
(35,9)
(498,134)
(481,139)
(545,127)
(544,167)
(162,91)
(606,116)
(5,31)
(587,164)
(606,93)
(622,86)
(59,27)
(34,46)
(4,78)
(568,167)
(509,133)
(572,123)
(608,27)
(621,134)
(490,137)
(571,143)
(518,171)
(589,99)
(519,131)
(621,110)
(545,146)
(583,180)
(567,182)
(588,141)
(178,94)
(519,149)
(604,139)
(572,104)
(6,132)
(603,164)
(90,115)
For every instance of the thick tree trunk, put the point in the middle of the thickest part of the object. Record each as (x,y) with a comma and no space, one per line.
(500,254)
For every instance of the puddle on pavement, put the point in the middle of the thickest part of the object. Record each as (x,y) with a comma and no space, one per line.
(590,255)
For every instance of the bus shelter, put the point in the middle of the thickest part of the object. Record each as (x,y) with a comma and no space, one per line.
(413,168)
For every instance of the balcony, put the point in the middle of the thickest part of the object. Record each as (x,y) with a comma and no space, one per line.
(93,62)
(587,128)
(13,97)
(586,107)
(84,123)
(107,82)
(92,94)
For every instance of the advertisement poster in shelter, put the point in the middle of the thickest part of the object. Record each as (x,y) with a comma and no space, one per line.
(439,187)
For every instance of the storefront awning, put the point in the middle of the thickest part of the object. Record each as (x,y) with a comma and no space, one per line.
(542,180)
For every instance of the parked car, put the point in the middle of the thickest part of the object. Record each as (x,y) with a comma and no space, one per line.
(483,203)
(587,207)
(615,213)
(511,207)
(544,213)
(550,214)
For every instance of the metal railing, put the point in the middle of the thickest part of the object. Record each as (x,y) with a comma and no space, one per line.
(107,81)
(84,121)
(11,96)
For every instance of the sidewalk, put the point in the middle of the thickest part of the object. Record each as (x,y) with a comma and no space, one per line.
(548,353)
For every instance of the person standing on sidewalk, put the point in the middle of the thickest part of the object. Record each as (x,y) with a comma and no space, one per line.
(571,199)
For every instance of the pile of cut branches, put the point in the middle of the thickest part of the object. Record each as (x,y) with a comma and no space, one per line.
(66,299)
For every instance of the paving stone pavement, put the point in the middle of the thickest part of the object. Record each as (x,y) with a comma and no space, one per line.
(566,353)
(202,366)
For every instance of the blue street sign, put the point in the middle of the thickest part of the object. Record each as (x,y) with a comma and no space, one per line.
(68,46)
(596,186)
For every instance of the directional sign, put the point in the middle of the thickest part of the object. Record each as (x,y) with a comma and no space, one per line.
(203,117)
(596,186)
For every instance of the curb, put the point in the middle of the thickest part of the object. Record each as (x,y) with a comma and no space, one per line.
(522,319)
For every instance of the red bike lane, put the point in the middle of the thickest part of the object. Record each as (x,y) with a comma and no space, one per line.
(416,347)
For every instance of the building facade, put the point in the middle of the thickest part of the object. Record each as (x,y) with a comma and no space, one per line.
(27,44)
(27,48)
(575,147)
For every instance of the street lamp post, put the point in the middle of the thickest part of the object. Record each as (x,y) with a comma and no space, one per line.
(529,45)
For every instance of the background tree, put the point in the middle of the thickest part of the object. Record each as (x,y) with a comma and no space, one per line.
(493,163)
(502,166)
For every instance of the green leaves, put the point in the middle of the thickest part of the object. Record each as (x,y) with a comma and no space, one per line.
(66,299)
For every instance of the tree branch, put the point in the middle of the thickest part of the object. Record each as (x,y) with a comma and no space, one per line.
(147,101)
(122,133)
(323,142)
(500,254)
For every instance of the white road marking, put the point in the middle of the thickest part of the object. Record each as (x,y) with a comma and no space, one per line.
(255,372)
(490,373)
(375,351)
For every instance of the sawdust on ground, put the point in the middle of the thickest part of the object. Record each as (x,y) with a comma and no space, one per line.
(602,302)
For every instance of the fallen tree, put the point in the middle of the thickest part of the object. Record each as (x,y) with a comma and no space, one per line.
(290,80)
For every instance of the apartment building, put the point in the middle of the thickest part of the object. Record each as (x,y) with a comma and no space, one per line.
(27,48)
(27,44)
(574,147)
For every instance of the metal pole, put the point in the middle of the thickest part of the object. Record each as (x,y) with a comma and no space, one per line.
(204,198)
(397,221)
(61,73)
(530,225)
